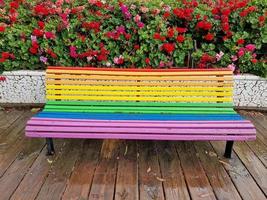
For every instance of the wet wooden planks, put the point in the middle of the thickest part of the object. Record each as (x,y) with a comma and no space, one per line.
(129,170)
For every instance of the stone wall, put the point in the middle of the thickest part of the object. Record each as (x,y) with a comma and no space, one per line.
(29,87)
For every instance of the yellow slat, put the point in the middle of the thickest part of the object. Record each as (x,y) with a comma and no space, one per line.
(159,78)
(131,88)
(120,98)
(134,93)
(141,83)
(130,73)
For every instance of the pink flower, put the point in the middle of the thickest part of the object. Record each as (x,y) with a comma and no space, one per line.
(33,38)
(241,52)
(73,52)
(219,56)
(49,35)
(140,24)
(234,58)
(120,29)
(137,18)
(250,47)
(167,8)
(118,60)
(43,59)
(144,9)
(161,64)
(231,67)
(133,7)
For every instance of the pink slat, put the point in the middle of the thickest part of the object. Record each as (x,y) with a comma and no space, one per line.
(139,136)
(140,121)
(138,130)
(137,124)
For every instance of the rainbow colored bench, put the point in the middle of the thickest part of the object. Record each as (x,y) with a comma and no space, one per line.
(174,104)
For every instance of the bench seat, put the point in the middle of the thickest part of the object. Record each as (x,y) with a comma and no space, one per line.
(140,105)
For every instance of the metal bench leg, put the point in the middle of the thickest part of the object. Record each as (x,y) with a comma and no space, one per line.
(228,149)
(50,147)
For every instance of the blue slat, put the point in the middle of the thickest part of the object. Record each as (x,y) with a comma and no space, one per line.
(117,116)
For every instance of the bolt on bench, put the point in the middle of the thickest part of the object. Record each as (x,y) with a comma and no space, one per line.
(139,104)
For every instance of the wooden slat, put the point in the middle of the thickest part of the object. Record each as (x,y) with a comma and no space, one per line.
(105,178)
(32,182)
(136,88)
(82,175)
(253,164)
(139,83)
(241,177)
(133,73)
(173,178)
(217,175)
(260,149)
(15,173)
(150,187)
(135,69)
(148,78)
(57,179)
(127,175)
(196,179)
(120,98)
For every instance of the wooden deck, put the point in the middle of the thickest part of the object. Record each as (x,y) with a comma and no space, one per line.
(129,170)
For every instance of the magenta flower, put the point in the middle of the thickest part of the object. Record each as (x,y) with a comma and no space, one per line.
(73,52)
(140,24)
(125,11)
(120,29)
(250,47)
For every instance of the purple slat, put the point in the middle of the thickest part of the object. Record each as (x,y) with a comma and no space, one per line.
(137,124)
(140,121)
(141,130)
(139,136)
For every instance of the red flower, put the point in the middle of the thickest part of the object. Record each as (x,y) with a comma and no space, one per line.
(240,41)
(2,29)
(136,47)
(38,32)
(261,20)
(33,50)
(183,13)
(180,38)
(102,57)
(147,60)
(225,27)
(168,47)
(166,15)
(127,36)
(244,13)
(35,45)
(157,36)
(2,60)
(170,32)
(2,78)
(50,35)
(226,12)
(41,24)
(254,60)
(5,55)
(209,37)
(14,4)
(215,11)
(204,25)
(41,10)
(51,53)
(181,30)
(91,25)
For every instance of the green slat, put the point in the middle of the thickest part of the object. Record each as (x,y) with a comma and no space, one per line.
(141,109)
(136,111)
(145,104)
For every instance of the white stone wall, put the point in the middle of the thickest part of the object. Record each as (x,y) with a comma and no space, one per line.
(29,87)
(23,87)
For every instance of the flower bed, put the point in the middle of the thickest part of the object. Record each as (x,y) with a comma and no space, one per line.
(200,33)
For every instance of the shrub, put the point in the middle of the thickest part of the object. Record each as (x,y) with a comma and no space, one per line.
(153,34)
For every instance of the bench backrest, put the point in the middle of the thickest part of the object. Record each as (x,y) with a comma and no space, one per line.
(208,87)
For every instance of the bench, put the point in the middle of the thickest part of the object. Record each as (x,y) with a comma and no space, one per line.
(139,104)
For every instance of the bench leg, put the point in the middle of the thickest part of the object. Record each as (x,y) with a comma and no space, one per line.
(50,147)
(228,149)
